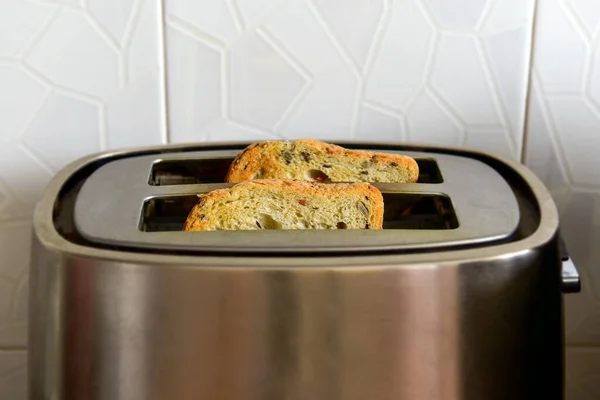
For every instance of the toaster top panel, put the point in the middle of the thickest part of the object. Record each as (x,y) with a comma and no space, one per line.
(143,201)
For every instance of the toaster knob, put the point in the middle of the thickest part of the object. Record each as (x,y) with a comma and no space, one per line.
(570,277)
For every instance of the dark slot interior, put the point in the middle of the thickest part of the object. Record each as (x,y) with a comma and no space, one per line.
(418,211)
(197,171)
(429,172)
(186,172)
(402,211)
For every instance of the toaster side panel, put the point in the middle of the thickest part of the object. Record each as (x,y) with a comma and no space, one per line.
(108,330)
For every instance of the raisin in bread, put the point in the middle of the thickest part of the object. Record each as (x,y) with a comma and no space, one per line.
(312,160)
(281,204)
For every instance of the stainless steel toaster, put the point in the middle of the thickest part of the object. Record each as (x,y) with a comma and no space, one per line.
(459,297)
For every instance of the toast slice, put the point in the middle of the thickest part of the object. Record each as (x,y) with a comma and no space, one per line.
(283,204)
(312,160)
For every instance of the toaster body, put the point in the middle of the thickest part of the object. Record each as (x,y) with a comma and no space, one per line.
(460,297)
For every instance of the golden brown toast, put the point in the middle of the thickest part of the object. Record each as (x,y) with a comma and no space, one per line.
(313,160)
(283,204)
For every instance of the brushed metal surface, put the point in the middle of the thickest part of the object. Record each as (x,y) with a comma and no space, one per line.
(379,329)
(469,324)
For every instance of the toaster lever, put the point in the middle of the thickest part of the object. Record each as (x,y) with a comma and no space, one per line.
(570,277)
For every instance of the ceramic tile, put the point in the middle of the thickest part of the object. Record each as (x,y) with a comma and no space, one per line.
(230,131)
(502,50)
(592,83)
(577,123)
(446,15)
(582,316)
(339,69)
(15,239)
(354,23)
(507,15)
(588,13)
(25,176)
(379,123)
(257,68)
(27,90)
(113,16)
(252,12)
(491,140)
(194,99)
(335,89)
(401,64)
(561,67)
(430,121)
(72,50)
(214,16)
(462,81)
(75,120)
(13,374)
(76,78)
(19,26)
(583,380)
(543,149)
(300,35)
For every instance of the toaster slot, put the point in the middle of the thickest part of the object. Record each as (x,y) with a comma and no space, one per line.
(418,211)
(213,170)
(166,214)
(186,172)
(402,211)
(429,172)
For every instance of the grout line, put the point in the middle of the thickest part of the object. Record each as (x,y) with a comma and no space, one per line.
(295,64)
(162,39)
(101,31)
(529,86)
(445,107)
(585,346)
(18,220)
(35,157)
(48,93)
(367,68)
(380,109)
(404,129)
(554,133)
(21,283)
(103,140)
(485,15)
(226,73)
(132,23)
(497,97)
(191,31)
(588,72)
(122,70)
(236,15)
(378,106)
(585,188)
(575,20)
(39,33)
(341,49)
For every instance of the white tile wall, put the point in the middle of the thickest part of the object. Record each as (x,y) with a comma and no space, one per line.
(78,76)
(361,69)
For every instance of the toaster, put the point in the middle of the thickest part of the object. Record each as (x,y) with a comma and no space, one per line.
(458,297)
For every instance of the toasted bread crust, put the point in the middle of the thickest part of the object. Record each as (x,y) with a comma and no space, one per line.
(286,159)
(202,217)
